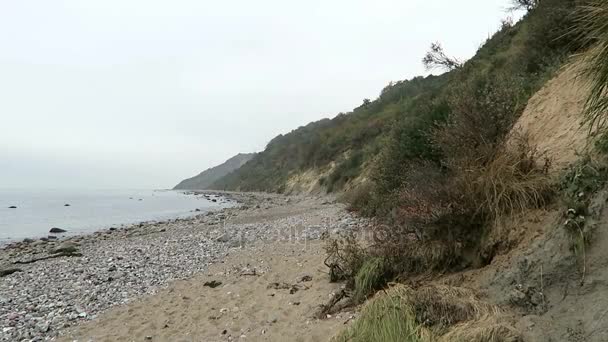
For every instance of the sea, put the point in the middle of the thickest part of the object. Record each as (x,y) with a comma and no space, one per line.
(86,211)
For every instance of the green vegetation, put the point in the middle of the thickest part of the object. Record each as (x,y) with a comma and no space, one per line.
(444,163)
(350,139)
(387,318)
(442,166)
(371,277)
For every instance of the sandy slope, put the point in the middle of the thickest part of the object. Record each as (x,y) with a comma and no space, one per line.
(553,118)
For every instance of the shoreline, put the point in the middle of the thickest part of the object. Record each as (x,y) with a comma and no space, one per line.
(227,201)
(119,266)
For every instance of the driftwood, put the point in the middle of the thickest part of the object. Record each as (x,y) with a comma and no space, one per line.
(326,308)
(57,255)
(7,271)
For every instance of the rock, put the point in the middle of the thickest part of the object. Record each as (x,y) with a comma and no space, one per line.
(12,207)
(224,238)
(112,229)
(66,248)
(214,200)
(9,270)
(51,237)
(537,298)
(305,278)
(57,230)
(517,297)
(212,284)
(43,327)
(45,238)
(28,240)
(197,210)
(66,205)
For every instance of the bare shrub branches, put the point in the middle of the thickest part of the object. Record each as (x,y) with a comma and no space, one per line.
(436,58)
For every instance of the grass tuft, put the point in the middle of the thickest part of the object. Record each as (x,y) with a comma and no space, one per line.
(591,29)
(371,277)
(428,313)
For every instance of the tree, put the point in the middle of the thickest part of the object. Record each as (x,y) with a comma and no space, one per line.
(366,102)
(524,4)
(437,58)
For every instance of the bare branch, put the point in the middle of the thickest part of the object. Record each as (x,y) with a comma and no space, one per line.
(436,58)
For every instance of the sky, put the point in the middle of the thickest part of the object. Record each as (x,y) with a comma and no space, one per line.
(143,93)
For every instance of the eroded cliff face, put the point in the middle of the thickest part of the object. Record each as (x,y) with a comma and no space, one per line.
(553,118)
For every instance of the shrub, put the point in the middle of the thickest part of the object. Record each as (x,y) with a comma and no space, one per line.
(345,256)
(483,111)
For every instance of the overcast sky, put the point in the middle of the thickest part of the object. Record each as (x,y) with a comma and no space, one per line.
(143,93)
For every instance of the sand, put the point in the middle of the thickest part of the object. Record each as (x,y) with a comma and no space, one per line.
(243,307)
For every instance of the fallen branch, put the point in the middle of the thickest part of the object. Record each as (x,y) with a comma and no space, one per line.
(326,308)
(52,256)
(8,271)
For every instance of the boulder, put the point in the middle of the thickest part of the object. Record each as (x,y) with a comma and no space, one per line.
(57,230)
(66,205)
(12,207)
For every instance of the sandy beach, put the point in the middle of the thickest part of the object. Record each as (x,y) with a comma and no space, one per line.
(254,272)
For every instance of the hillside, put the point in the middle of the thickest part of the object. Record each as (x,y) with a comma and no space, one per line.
(204,179)
(516,61)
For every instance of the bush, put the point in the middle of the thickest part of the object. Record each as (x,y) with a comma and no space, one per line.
(483,111)
(345,256)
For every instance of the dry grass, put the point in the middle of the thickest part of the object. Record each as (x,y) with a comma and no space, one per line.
(415,256)
(485,330)
(429,313)
(591,27)
(441,306)
(516,179)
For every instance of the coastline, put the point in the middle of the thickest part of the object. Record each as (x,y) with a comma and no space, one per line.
(82,212)
(123,266)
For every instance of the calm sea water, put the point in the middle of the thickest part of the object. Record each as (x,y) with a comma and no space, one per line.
(40,210)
